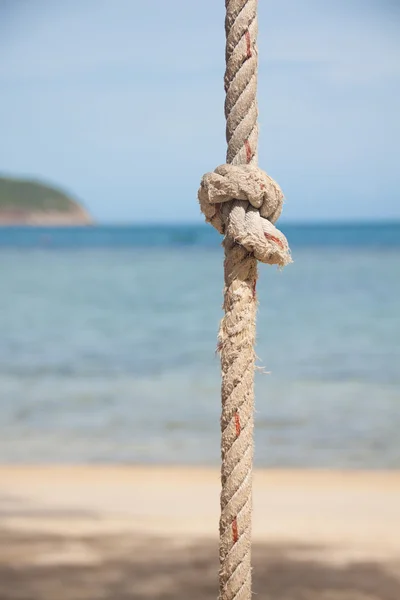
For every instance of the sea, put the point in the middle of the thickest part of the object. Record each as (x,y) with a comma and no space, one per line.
(108,338)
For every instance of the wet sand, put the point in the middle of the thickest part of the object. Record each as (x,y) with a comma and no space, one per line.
(115,533)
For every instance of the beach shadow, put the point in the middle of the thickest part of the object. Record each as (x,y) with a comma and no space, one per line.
(14,506)
(127,567)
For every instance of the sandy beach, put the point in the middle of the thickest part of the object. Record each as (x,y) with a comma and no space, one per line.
(148,532)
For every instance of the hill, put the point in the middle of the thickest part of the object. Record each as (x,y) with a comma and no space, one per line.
(26,202)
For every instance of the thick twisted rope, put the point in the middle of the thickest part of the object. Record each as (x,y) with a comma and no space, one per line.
(243,203)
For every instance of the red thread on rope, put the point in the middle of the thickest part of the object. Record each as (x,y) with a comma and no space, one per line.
(274,239)
(248,150)
(254,289)
(238,427)
(237,423)
(235,534)
(248,42)
(235,530)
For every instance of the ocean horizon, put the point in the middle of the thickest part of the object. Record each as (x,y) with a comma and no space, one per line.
(354,233)
(108,337)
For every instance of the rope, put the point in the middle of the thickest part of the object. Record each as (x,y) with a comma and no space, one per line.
(243,203)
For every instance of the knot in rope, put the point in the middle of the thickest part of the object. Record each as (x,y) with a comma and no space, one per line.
(243,202)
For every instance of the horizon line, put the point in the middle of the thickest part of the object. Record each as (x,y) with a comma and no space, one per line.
(323,223)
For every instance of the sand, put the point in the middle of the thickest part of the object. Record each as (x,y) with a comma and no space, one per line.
(148,532)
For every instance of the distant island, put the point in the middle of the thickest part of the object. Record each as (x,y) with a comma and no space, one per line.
(28,202)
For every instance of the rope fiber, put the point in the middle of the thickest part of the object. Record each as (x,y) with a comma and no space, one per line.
(242,202)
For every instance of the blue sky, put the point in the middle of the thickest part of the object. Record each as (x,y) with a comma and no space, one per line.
(121,102)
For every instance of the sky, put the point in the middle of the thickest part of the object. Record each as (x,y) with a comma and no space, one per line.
(120,102)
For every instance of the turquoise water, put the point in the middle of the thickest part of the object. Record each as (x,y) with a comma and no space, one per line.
(108,336)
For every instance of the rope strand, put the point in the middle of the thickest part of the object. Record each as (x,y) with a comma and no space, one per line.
(242,202)
(238,327)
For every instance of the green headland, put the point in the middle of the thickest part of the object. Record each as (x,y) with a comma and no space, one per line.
(28,202)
